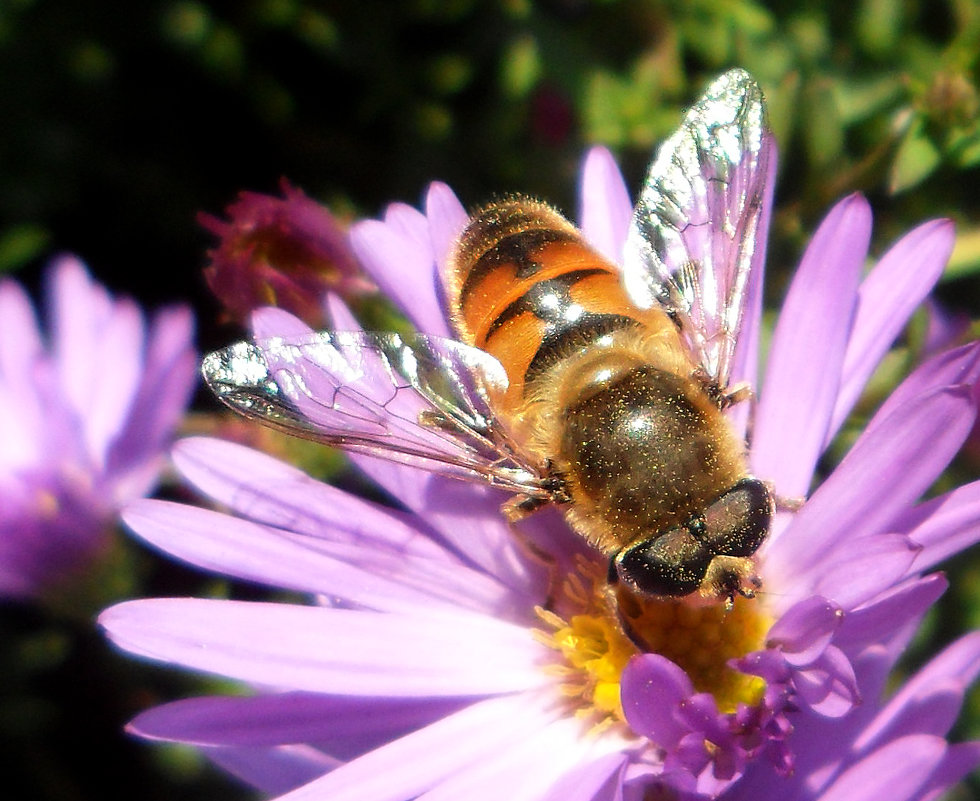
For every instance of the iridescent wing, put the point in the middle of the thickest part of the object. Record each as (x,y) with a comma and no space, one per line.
(692,238)
(417,400)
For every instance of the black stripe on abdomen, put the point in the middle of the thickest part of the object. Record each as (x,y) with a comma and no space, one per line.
(568,325)
(560,342)
(549,300)
(519,249)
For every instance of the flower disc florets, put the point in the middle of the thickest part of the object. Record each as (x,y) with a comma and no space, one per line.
(590,633)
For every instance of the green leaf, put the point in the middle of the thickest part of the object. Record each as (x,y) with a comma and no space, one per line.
(965,148)
(824,129)
(21,243)
(859,100)
(879,24)
(965,259)
(916,159)
(520,67)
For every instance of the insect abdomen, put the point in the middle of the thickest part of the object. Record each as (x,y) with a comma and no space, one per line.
(526,288)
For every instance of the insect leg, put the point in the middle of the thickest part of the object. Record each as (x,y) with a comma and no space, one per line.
(724,397)
(737,394)
(784,504)
(521,506)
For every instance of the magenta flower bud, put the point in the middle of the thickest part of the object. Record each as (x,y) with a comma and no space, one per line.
(286,252)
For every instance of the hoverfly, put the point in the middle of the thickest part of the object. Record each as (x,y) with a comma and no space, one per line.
(602,388)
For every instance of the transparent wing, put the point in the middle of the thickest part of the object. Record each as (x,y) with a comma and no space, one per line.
(693,233)
(417,400)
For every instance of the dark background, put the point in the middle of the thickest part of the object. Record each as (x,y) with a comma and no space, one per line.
(120,121)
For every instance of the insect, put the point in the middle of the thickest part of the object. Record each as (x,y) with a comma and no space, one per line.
(605,389)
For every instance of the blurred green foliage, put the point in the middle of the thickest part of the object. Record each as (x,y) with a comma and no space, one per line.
(122,120)
(178,104)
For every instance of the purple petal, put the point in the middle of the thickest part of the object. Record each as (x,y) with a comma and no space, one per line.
(344,726)
(273,770)
(945,328)
(651,777)
(957,367)
(808,348)
(804,632)
(111,395)
(896,771)
(331,650)
(943,526)
(409,222)
(604,204)
(889,467)
(874,668)
(931,712)
(828,686)
(340,315)
(270,491)
(700,713)
(899,608)
(368,576)
(522,770)
(28,407)
(886,299)
(78,310)
(930,701)
(598,780)
(20,336)
(960,760)
(869,565)
(169,376)
(467,516)
(90,330)
(410,766)
(653,687)
(768,664)
(403,271)
(446,217)
(271,321)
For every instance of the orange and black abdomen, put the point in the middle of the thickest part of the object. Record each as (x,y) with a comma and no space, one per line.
(525,287)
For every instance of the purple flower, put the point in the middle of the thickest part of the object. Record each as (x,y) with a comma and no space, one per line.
(445,660)
(85,420)
(284,252)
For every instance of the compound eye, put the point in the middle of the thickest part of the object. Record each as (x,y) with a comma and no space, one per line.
(738,522)
(672,564)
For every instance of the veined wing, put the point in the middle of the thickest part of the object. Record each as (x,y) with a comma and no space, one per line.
(692,238)
(417,400)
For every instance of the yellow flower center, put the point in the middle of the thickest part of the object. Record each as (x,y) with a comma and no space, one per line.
(591,637)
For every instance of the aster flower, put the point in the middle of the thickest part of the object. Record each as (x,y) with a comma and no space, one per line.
(443,659)
(284,252)
(84,420)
